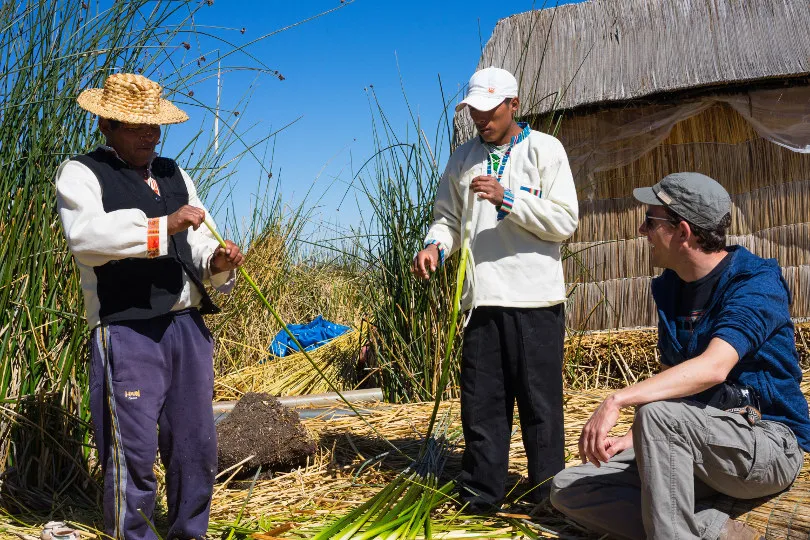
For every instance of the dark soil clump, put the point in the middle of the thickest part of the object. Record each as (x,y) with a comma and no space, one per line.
(261,427)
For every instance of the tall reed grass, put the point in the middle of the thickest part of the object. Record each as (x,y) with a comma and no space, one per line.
(408,317)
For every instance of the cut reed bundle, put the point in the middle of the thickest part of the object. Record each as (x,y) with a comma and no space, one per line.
(609,359)
(292,375)
(300,290)
(599,360)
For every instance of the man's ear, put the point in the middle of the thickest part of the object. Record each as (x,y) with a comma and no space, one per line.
(684,231)
(514,105)
(103,126)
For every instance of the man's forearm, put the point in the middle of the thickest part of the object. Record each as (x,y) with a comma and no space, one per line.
(685,379)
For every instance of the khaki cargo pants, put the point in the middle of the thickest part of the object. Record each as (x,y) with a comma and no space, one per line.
(682,451)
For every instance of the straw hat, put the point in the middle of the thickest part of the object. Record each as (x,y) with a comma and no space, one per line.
(131,98)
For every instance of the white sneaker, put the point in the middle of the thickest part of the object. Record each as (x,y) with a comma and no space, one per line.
(58,530)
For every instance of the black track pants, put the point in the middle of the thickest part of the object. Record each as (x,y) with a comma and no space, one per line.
(508,354)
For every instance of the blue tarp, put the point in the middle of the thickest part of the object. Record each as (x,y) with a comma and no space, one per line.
(311,336)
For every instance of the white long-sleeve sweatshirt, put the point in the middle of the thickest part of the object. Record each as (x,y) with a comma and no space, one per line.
(96,237)
(516,258)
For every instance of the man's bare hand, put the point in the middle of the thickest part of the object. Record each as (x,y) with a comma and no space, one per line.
(594,441)
(186,216)
(227,258)
(614,445)
(488,188)
(425,262)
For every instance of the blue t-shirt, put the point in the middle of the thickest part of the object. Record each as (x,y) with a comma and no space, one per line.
(749,310)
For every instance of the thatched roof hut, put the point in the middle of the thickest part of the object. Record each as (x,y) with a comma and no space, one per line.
(642,88)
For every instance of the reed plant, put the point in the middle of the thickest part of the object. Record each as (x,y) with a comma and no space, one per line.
(408,317)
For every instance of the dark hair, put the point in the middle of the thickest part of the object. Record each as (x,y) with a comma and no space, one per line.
(114,124)
(709,240)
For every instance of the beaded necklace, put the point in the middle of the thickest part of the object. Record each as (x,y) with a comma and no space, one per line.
(501,167)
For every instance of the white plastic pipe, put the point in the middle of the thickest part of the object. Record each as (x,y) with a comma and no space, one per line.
(314,400)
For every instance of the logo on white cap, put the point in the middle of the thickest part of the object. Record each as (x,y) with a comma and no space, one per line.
(488,88)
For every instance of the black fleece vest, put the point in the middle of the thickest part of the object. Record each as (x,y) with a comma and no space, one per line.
(136,288)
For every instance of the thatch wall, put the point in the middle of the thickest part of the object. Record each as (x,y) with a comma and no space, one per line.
(619,50)
(609,263)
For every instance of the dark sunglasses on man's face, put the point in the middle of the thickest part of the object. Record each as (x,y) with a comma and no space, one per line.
(649,221)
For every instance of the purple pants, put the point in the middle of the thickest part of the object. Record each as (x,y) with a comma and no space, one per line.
(151,386)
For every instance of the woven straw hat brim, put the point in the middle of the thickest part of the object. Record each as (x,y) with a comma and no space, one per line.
(90,100)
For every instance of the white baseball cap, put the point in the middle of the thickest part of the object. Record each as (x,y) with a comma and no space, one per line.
(488,88)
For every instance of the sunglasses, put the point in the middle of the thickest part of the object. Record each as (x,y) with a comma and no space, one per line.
(649,223)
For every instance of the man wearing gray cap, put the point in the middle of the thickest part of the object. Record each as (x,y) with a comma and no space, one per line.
(725,414)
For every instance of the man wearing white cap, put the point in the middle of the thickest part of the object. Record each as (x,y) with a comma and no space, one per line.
(516,188)
(133,222)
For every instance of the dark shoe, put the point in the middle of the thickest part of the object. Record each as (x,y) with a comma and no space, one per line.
(534,495)
(737,530)
(475,507)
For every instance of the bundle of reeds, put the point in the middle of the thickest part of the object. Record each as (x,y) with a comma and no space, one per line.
(300,290)
(292,375)
(601,360)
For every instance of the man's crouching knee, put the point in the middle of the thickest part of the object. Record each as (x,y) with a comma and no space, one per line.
(657,418)
(562,490)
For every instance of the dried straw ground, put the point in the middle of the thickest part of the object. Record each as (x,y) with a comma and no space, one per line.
(352,464)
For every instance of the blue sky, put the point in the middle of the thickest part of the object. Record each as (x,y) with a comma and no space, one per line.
(328,64)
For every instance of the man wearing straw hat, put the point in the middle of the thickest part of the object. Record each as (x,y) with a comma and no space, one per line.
(726,414)
(512,188)
(132,220)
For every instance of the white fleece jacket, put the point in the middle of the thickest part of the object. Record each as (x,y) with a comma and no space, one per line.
(516,259)
(96,237)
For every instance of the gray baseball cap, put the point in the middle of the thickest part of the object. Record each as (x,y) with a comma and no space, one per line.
(693,196)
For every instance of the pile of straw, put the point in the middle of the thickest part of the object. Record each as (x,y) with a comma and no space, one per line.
(616,359)
(293,375)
